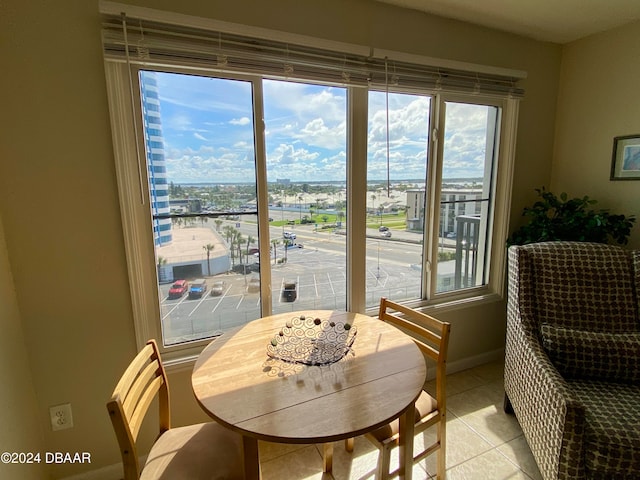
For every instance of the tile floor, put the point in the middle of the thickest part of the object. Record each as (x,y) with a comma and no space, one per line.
(482,441)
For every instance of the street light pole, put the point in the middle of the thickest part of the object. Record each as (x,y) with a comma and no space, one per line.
(282,198)
(378,274)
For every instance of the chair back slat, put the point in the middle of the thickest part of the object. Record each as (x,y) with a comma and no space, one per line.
(135,421)
(427,350)
(149,374)
(430,334)
(131,373)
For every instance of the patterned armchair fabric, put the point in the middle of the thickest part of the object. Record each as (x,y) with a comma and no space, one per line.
(572,357)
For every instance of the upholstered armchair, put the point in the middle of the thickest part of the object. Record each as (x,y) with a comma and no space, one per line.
(572,362)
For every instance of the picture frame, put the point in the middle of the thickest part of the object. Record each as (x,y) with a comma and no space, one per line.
(625,163)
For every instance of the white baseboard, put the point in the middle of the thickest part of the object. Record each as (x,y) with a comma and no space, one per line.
(469,362)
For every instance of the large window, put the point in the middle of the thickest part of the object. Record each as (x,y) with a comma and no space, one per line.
(403,227)
(199,146)
(306,140)
(247,192)
(397,152)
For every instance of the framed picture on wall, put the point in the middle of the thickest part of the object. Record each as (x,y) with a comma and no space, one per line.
(625,164)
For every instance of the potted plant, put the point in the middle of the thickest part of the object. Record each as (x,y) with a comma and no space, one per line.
(570,219)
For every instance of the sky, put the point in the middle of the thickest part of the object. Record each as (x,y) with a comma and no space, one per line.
(208,135)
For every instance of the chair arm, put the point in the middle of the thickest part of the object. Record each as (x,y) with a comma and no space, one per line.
(551,417)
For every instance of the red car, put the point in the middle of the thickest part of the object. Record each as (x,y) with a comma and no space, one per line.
(178,289)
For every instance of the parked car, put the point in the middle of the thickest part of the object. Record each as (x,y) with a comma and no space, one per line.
(289,235)
(218,288)
(197,288)
(253,267)
(289,292)
(386,234)
(382,228)
(178,289)
(246,268)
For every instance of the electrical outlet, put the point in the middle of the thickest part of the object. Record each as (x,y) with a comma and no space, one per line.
(61,417)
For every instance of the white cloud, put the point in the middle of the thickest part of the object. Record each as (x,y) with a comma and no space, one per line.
(199,137)
(240,121)
(317,133)
(306,133)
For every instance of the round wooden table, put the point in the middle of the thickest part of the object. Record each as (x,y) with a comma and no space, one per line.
(239,386)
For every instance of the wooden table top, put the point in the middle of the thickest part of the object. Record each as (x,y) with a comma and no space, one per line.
(241,387)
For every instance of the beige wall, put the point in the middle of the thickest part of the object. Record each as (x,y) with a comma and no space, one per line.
(598,101)
(59,200)
(21,430)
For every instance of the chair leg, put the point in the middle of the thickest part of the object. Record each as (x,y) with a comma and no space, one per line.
(384,463)
(327,458)
(442,451)
(507,407)
(348,444)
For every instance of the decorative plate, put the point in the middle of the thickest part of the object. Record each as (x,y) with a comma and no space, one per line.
(312,341)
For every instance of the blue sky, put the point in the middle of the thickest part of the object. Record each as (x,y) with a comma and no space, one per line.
(208,132)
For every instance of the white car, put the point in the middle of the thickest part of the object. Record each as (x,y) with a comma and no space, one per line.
(218,288)
(386,233)
(289,235)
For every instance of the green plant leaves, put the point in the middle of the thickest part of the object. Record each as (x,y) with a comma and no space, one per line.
(562,218)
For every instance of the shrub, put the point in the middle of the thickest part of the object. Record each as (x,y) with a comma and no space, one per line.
(559,218)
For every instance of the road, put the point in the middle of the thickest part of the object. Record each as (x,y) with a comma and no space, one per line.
(318,270)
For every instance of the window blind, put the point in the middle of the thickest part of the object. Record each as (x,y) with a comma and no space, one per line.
(143,40)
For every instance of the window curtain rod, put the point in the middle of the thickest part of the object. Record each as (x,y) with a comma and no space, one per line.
(155,43)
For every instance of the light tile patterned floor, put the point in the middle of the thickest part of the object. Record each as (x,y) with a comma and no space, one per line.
(482,441)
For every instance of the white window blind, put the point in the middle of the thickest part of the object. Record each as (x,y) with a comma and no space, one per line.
(138,36)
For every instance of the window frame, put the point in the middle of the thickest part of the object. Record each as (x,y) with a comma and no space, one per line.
(137,222)
(501,181)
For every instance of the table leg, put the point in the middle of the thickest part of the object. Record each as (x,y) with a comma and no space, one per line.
(251,459)
(405,441)
(327,457)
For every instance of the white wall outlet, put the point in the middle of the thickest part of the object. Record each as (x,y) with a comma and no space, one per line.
(61,417)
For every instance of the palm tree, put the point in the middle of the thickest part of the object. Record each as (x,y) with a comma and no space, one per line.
(218,222)
(287,242)
(239,240)
(229,232)
(300,199)
(160,262)
(232,250)
(250,241)
(275,243)
(208,248)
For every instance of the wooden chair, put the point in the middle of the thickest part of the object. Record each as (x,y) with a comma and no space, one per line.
(432,337)
(206,450)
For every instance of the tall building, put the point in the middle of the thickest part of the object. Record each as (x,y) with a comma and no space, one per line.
(455,202)
(154,147)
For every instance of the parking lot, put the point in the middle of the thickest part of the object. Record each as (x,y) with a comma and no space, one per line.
(320,278)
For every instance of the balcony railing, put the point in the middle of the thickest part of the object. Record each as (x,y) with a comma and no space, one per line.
(467,235)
